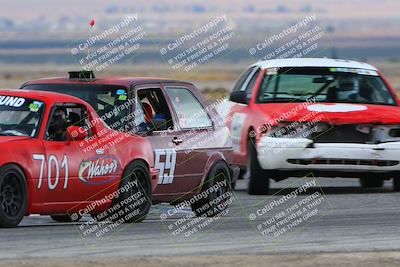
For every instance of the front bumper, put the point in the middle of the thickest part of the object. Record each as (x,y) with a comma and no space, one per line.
(304,154)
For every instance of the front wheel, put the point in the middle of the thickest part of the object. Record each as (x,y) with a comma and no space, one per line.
(134,201)
(13,196)
(215,195)
(258,178)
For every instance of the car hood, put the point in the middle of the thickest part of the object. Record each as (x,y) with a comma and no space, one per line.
(7,139)
(332,113)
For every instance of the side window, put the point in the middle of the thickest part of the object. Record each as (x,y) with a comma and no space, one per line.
(250,85)
(190,112)
(152,111)
(109,100)
(106,99)
(63,116)
(242,79)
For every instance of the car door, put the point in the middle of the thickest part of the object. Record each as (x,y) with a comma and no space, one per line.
(175,176)
(66,163)
(150,104)
(195,135)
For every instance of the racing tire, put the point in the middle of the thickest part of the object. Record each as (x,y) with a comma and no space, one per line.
(135,201)
(258,178)
(65,218)
(371,182)
(216,201)
(242,174)
(13,196)
(396,184)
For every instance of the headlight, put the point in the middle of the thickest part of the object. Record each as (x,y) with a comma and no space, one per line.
(385,133)
(297,129)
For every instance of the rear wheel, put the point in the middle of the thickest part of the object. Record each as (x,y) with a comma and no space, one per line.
(242,174)
(396,184)
(258,178)
(213,202)
(66,218)
(13,196)
(134,202)
(371,182)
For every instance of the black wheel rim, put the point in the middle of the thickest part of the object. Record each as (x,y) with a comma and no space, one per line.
(142,187)
(11,199)
(220,176)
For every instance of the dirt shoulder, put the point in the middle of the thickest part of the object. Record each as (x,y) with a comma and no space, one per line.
(330,259)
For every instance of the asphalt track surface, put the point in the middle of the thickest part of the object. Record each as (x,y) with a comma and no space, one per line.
(350,219)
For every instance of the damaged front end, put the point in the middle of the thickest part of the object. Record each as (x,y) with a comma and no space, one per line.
(323,146)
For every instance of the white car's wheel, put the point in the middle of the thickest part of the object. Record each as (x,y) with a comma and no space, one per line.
(371,182)
(258,178)
(396,184)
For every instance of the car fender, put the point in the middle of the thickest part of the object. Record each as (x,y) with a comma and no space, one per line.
(249,122)
(21,155)
(138,149)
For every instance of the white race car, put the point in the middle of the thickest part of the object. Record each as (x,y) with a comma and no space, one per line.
(328,117)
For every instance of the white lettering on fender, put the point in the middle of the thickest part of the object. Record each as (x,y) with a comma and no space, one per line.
(168,165)
(42,159)
(50,161)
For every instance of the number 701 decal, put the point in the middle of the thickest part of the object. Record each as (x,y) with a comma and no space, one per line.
(165,165)
(52,160)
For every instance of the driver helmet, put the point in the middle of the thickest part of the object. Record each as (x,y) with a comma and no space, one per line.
(348,88)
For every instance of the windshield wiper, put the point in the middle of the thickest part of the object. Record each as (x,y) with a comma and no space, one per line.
(282,99)
(320,90)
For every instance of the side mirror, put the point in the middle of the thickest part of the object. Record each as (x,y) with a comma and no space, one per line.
(76,133)
(398,102)
(159,124)
(238,97)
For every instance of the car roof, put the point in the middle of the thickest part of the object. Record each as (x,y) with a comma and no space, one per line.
(45,96)
(112,80)
(313,62)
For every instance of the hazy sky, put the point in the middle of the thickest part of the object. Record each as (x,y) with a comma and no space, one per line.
(31,9)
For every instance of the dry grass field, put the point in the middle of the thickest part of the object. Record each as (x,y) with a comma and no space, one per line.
(215,81)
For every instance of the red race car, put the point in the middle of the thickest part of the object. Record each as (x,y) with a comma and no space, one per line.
(332,118)
(57,160)
(191,144)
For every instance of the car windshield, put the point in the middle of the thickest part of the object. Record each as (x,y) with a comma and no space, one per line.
(110,101)
(19,116)
(336,85)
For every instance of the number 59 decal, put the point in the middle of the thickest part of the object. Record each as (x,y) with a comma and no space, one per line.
(165,162)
